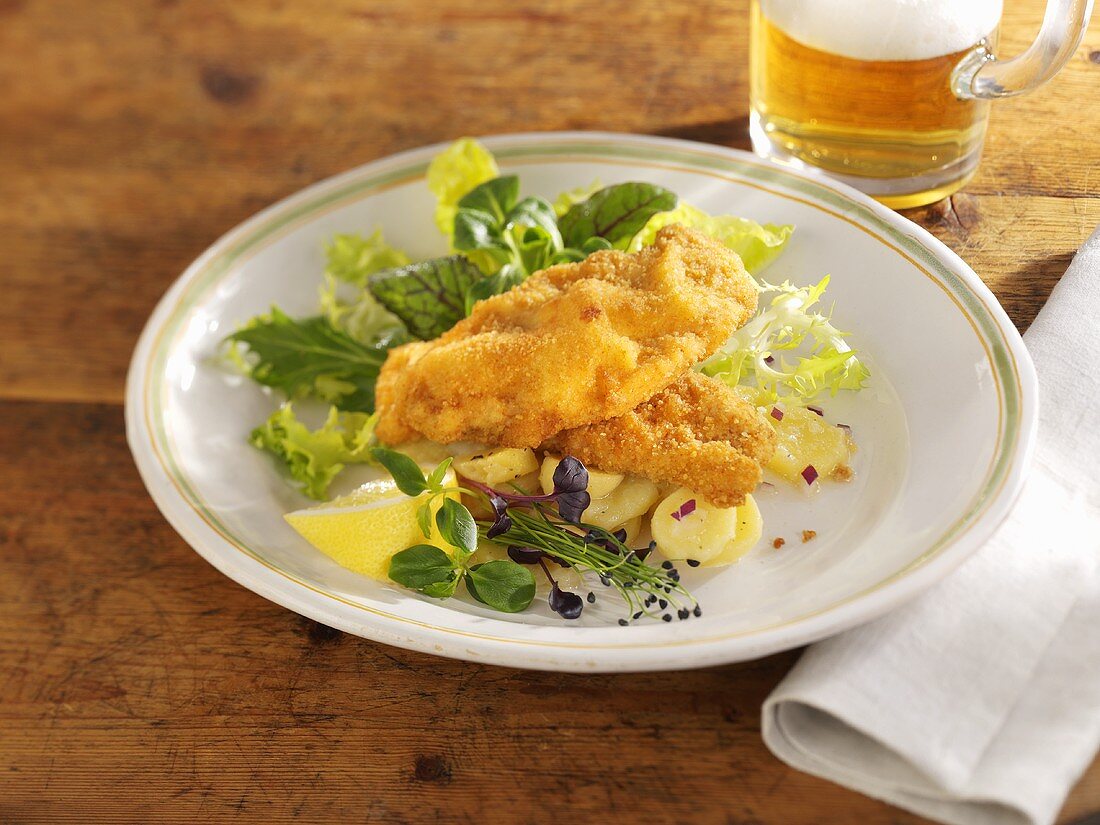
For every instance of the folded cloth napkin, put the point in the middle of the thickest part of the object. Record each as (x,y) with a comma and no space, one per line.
(980,701)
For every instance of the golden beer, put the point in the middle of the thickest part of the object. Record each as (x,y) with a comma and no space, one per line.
(879,112)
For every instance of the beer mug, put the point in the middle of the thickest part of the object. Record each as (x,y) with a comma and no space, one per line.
(891,96)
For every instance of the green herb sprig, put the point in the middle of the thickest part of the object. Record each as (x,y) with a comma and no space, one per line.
(533,536)
(501,584)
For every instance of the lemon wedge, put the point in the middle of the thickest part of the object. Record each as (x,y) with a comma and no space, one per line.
(364,529)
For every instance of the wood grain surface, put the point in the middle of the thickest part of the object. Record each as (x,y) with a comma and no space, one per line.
(139,685)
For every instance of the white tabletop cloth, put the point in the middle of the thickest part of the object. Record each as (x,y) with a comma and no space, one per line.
(979,703)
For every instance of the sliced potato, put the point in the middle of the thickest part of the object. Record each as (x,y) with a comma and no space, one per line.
(750,526)
(625,502)
(633,528)
(805,438)
(497,466)
(599,484)
(686,527)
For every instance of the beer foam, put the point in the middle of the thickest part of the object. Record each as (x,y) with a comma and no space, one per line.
(885,29)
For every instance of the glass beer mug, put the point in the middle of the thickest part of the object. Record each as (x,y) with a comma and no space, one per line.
(892,96)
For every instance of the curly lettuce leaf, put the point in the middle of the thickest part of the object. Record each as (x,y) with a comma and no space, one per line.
(362,317)
(309,357)
(454,172)
(430,296)
(353,258)
(788,351)
(315,457)
(757,244)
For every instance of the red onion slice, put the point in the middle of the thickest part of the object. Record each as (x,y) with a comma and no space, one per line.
(686,509)
(809,475)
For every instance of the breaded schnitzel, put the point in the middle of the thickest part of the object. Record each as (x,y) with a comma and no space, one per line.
(697,433)
(574,344)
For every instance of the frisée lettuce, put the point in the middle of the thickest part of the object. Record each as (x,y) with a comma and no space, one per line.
(788,351)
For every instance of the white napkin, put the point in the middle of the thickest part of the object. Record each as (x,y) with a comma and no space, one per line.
(980,701)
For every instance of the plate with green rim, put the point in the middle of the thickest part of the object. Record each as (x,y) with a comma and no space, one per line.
(944,428)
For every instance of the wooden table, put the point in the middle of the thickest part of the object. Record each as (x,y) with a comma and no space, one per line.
(138,684)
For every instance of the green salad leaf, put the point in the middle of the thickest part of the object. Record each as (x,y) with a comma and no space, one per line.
(363,318)
(494,225)
(502,585)
(426,568)
(788,351)
(315,457)
(430,296)
(504,279)
(454,172)
(457,526)
(406,473)
(757,244)
(352,258)
(615,213)
(310,357)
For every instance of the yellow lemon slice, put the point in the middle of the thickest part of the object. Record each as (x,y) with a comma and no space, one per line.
(364,529)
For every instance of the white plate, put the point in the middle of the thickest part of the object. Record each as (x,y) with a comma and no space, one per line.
(945,429)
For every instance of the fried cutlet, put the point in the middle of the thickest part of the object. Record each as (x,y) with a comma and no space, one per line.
(576,343)
(697,433)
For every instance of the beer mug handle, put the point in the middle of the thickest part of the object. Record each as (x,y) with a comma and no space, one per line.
(981,75)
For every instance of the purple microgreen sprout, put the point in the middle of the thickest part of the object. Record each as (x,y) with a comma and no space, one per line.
(570,492)
(684,510)
(524,555)
(594,537)
(565,604)
(502,522)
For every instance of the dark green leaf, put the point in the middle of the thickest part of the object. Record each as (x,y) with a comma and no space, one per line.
(435,480)
(501,584)
(310,357)
(421,566)
(536,212)
(424,519)
(536,249)
(595,244)
(442,590)
(497,197)
(457,526)
(615,213)
(506,277)
(430,297)
(406,472)
(475,229)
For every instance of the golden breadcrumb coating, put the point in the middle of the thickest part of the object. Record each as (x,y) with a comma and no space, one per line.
(698,433)
(574,344)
